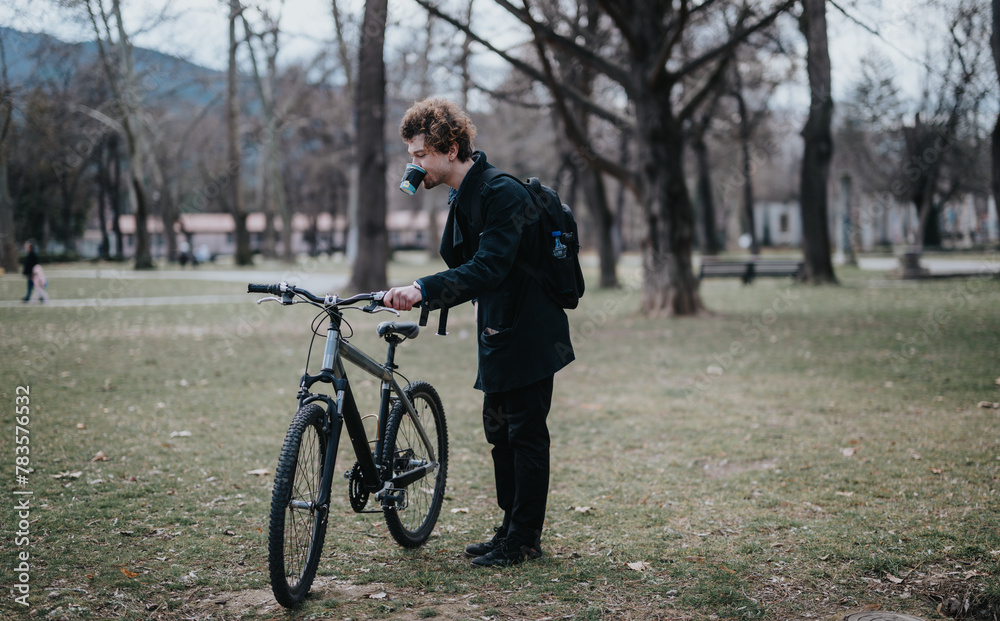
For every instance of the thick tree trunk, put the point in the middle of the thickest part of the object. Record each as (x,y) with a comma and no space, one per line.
(369,273)
(818,149)
(670,287)
(235,186)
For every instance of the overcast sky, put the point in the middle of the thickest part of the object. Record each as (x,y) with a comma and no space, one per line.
(198,30)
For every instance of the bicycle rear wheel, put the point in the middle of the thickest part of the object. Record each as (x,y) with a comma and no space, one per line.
(411,518)
(298,526)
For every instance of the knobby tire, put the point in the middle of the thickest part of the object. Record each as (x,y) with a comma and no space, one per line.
(297,531)
(411,525)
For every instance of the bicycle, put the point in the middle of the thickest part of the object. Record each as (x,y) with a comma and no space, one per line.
(405,471)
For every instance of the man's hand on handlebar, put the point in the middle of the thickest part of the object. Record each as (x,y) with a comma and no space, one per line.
(403,298)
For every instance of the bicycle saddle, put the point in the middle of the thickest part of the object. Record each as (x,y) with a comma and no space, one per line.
(406,329)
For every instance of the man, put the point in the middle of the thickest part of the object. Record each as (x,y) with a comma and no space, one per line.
(30,261)
(523,335)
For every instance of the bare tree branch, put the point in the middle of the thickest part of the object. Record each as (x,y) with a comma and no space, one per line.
(727,48)
(576,132)
(611,70)
(527,69)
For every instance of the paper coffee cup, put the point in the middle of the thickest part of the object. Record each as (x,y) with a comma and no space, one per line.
(412,177)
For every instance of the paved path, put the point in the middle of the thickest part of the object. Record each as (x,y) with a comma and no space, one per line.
(318,283)
(937,266)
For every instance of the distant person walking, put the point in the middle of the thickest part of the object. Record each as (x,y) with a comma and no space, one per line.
(30,261)
(41,282)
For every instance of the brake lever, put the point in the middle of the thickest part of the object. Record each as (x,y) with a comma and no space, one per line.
(375,307)
(270,299)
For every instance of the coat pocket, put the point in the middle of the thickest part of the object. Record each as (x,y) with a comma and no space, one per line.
(494,340)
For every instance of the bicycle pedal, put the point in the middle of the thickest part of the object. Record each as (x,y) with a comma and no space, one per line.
(394,499)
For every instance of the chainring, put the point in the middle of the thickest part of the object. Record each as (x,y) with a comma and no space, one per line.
(356,489)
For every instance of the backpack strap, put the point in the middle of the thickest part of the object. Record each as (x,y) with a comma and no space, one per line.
(477,215)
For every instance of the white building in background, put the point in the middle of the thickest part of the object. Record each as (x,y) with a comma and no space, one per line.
(215,232)
(874,223)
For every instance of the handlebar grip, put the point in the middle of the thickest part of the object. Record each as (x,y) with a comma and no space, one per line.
(272,289)
(443,322)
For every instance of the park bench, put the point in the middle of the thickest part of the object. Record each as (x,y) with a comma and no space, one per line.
(748,268)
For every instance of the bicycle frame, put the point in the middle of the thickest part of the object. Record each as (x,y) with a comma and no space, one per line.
(342,410)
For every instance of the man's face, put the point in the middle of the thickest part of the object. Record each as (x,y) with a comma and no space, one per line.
(437,165)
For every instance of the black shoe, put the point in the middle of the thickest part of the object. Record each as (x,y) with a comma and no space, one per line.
(507,554)
(480,549)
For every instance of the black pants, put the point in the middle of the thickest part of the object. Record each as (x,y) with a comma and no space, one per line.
(515,425)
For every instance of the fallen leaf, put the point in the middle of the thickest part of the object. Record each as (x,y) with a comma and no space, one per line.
(100,456)
(81,426)
(848,494)
(229,533)
(893,579)
(129,574)
(67,475)
(638,566)
(936,470)
(989,405)
(460,510)
(997,381)
(379,595)
(259,472)
(849,451)
(583,510)
(694,559)
(180,434)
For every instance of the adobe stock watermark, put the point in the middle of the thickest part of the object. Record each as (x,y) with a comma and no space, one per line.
(754,331)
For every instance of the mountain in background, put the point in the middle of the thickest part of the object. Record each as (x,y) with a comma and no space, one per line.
(34,58)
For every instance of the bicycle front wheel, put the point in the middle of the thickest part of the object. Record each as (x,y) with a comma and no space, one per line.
(298,525)
(412,515)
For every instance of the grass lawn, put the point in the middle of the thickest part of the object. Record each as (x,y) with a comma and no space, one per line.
(801,453)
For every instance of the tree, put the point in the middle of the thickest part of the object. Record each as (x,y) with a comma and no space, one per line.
(8,240)
(818,137)
(995,151)
(369,271)
(235,164)
(704,199)
(944,131)
(124,85)
(653,70)
(271,188)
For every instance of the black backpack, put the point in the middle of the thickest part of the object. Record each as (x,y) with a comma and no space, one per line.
(558,267)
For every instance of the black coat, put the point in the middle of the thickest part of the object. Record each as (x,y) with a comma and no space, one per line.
(30,261)
(523,335)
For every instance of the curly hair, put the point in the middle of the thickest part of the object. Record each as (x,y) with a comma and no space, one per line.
(442,123)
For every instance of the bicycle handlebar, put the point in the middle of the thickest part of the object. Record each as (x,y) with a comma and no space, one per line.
(287,291)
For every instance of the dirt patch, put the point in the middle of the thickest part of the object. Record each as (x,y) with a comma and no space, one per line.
(388,601)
